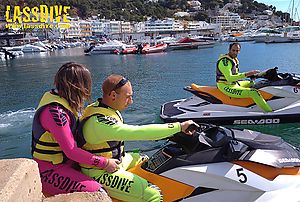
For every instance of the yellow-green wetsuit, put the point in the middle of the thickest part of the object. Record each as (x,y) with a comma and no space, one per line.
(227,77)
(103,131)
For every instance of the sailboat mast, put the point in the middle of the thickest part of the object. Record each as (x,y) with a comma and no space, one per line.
(292,17)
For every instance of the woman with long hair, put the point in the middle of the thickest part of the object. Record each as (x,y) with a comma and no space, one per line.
(53,134)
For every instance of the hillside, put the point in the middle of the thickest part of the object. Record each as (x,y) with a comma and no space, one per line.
(138,10)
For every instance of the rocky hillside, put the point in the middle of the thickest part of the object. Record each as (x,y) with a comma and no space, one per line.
(139,10)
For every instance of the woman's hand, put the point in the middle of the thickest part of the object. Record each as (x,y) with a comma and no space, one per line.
(188,127)
(112,165)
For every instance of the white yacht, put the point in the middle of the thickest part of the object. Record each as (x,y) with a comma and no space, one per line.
(265,34)
(289,34)
(106,48)
(28,48)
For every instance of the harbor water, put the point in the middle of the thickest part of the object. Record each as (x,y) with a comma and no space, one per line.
(156,78)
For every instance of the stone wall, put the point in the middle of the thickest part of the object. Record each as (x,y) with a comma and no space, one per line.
(20,181)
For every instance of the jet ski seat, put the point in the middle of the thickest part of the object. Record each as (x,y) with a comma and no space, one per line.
(214,95)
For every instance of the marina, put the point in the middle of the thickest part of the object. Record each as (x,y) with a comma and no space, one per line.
(156,78)
(223,76)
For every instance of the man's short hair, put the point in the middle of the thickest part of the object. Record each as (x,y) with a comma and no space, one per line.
(112,83)
(235,43)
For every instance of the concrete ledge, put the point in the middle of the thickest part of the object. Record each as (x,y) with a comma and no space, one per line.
(20,180)
(80,197)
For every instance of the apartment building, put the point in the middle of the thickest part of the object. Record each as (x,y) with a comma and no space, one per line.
(166,25)
(85,28)
(229,20)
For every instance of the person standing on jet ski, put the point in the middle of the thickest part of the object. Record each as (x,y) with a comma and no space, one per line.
(228,78)
(102,131)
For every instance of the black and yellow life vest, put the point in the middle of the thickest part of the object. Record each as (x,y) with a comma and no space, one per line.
(109,149)
(44,146)
(234,67)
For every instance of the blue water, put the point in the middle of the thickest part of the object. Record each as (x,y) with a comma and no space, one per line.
(156,78)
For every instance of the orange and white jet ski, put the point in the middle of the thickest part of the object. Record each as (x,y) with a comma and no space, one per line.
(223,164)
(210,105)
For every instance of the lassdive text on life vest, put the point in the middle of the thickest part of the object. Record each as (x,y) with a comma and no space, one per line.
(109,149)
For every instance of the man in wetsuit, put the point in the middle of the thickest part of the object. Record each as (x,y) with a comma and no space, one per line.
(103,132)
(228,76)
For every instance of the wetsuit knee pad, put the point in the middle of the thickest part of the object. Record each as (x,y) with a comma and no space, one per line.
(153,193)
(131,159)
(253,93)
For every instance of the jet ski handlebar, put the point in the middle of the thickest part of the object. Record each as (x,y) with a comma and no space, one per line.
(199,127)
(207,135)
(270,74)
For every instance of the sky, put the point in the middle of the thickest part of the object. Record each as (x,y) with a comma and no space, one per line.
(282,5)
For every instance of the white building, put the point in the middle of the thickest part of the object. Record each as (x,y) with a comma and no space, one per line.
(126,27)
(97,27)
(73,31)
(85,28)
(196,25)
(194,5)
(229,20)
(139,27)
(181,14)
(115,27)
(268,12)
(166,25)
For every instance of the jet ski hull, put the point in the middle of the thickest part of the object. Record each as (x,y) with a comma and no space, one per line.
(221,182)
(229,115)
(235,165)
(209,105)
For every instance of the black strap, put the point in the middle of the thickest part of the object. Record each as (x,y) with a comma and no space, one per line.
(34,149)
(219,79)
(48,144)
(106,149)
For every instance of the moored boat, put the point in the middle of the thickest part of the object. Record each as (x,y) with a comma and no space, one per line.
(154,49)
(106,48)
(129,50)
(188,43)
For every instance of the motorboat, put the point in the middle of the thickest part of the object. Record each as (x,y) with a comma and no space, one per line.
(106,48)
(188,43)
(167,40)
(224,164)
(265,34)
(209,105)
(154,49)
(240,37)
(28,48)
(125,51)
(289,34)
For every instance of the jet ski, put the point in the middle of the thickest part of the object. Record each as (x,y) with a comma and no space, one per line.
(224,164)
(209,105)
